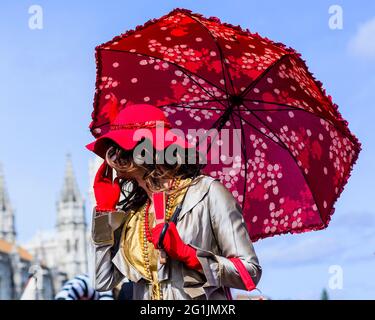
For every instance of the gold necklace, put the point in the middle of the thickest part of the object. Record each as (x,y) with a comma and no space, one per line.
(171,199)
(145,252)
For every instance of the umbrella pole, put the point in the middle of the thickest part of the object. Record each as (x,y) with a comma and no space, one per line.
(174,218)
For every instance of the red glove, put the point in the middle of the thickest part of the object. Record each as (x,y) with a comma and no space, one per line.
(175,247)
(107,192)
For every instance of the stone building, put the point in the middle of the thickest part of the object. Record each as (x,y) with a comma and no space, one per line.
(15,261)
(66,247)
(58,254)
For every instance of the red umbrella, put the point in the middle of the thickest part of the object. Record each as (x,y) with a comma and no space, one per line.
(296,150)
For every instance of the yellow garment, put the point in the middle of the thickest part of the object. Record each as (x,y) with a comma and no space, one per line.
(134,241)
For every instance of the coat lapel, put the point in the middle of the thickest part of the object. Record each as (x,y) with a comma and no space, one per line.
(120,261)
(195,194)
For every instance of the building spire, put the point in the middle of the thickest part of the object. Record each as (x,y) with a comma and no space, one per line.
(4,198)
(7,228)
(70,191)
(71,226)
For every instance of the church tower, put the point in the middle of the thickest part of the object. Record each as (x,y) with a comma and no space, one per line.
(71,226)
(7,228)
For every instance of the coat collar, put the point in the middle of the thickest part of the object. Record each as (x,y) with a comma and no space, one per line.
(195,194)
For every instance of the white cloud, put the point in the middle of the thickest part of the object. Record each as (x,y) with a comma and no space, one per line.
(363,43)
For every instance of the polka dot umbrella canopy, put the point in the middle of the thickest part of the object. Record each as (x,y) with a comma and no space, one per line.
(295,149)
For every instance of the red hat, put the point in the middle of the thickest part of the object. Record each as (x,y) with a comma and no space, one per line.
(134,122)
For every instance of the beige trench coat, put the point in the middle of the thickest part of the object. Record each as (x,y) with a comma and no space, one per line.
(210,221)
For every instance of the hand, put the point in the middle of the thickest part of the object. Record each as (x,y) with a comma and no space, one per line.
(107,192)
(175,247)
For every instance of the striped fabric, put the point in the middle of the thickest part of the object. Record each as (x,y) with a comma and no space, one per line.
(79,288)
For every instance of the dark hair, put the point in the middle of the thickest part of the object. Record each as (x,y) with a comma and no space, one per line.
(181,164)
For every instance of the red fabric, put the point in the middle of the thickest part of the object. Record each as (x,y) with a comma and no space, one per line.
(299,149)
(107,192)
(133,123)
(245,276)
(159,205)
(175,247)
(112,107)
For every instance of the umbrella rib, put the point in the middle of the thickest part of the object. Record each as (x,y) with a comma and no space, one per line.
(215,124)
(265,110)
(303,174)
(243,150)
(219,101)
(245,154)
(288,106)
(225,71)
(178,105)
(217,121)
(184,70)
(271,102)
(261,76)
(293,108)
(257,130)
(251,85)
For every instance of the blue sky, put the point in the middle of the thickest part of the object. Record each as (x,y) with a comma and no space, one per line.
(46,94)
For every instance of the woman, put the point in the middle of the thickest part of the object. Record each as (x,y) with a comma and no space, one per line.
(208,249)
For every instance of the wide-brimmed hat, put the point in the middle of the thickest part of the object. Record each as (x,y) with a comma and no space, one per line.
(134,123)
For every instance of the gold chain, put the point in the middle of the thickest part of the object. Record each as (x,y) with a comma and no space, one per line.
(171,199)
(146,258)
(145,243)
(145,252)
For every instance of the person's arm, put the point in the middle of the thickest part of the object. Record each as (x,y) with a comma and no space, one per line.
(233,239)
(104,227)
(106,221)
